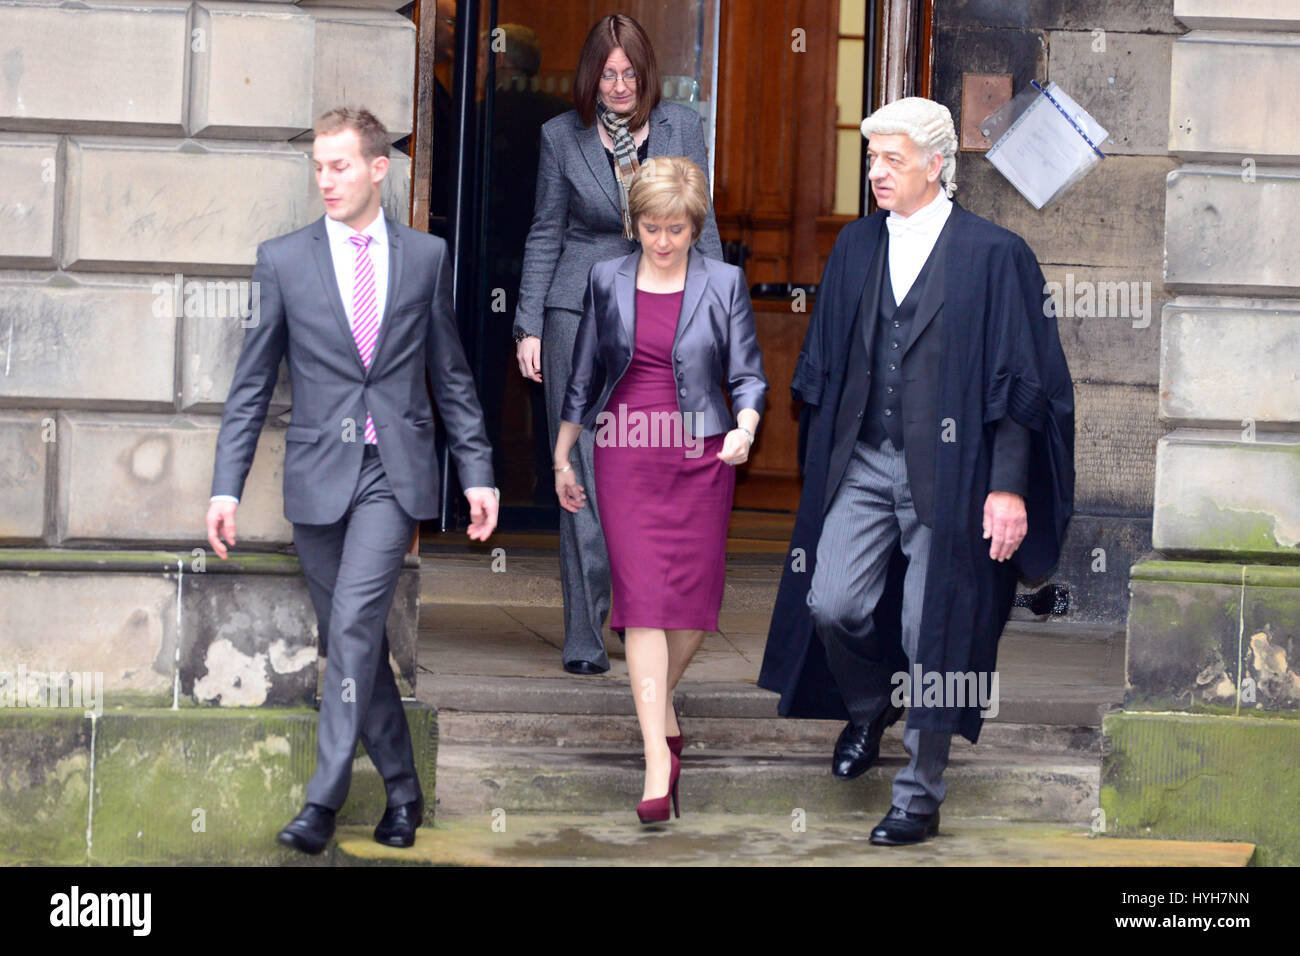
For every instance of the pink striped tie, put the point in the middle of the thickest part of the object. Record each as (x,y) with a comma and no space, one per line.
(365,314)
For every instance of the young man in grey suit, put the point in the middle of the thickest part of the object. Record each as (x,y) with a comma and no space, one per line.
(361,307)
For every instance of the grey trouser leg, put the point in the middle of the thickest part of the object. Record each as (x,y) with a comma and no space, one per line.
(584,562)
(871,511)
(352,568)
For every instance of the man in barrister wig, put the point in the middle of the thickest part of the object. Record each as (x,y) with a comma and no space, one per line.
(937,442)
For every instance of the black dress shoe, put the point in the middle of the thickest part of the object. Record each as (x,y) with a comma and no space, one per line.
(900,828)
(859,746)
(397,827)
(583,667)
(310,830)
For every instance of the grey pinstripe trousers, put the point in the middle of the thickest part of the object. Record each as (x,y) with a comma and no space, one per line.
(872,509)
(584,562)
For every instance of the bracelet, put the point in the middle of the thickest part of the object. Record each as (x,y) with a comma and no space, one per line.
(520,335)
(562,470)
(748,433)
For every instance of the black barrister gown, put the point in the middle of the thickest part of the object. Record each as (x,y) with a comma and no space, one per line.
(1001,355)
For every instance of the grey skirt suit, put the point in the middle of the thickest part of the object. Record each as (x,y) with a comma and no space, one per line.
(577,222)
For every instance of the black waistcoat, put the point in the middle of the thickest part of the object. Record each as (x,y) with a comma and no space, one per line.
(874,396)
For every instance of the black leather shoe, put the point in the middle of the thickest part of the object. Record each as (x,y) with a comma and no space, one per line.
(900,828)
(858,747)
(310,830)
(397,828)
(583,667)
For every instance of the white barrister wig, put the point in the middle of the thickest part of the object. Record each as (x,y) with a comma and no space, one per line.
(929,124)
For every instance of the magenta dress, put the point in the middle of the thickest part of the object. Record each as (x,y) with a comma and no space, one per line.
(664,514)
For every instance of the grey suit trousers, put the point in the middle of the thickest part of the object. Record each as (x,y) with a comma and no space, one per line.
(872,509)
(584,562)
(351,568)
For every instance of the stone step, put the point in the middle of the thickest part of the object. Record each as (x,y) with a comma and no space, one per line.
(748,839)
(1036,699)
(724,734)
(735,839)
(481,778)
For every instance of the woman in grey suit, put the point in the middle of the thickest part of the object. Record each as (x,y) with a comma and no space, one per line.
(587,159)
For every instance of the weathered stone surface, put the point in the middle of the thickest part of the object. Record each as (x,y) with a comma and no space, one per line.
(1270,643)
(1116,430)
(367,58)
(355,4)
(249,640)
(1108,321)
(23,483)
(210,346)
(208,785)
(1112,217)
(1247,110)
(1238,15)
(404,628)
(1175,776)
(251,78)
(1122,79)
(1095,561)
(87,341)
(148,479)
(1138,16)
(44,785)
(1231,229)
(146,204)
(969,46)
(1182,650)
(102,68)
(27,198)
(1223,493)
(1225,362)
(120,626)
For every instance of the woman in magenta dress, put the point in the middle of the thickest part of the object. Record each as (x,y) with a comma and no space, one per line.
(666,335)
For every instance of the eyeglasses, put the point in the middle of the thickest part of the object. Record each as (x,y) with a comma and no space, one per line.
(629,77)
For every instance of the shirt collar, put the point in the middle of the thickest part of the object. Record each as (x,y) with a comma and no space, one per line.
(929,218)
(339,232)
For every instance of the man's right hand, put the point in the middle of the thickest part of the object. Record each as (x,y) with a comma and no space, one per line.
(221,524)
(529,353)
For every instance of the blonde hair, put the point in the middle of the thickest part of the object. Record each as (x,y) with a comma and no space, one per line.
(667,187)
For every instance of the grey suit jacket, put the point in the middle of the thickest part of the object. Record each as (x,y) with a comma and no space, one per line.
(302,317)
(578,219)
(716,344)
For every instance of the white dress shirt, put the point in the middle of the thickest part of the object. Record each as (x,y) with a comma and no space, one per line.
(344,254)
(912,239)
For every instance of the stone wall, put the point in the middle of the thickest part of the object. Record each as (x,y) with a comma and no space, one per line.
(148,148)
(1101,242)
(1214,620)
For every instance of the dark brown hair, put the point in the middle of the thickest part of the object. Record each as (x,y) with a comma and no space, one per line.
(371,132)
(616,30)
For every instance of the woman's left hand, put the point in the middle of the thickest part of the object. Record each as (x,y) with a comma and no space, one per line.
(735,447)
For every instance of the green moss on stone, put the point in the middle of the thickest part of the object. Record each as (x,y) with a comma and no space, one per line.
(1190,777)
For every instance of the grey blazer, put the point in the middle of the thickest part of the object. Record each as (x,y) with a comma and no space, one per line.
(716,344)
(578,219)
(302,317)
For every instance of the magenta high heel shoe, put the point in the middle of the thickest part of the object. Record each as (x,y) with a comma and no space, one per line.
(656,810)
